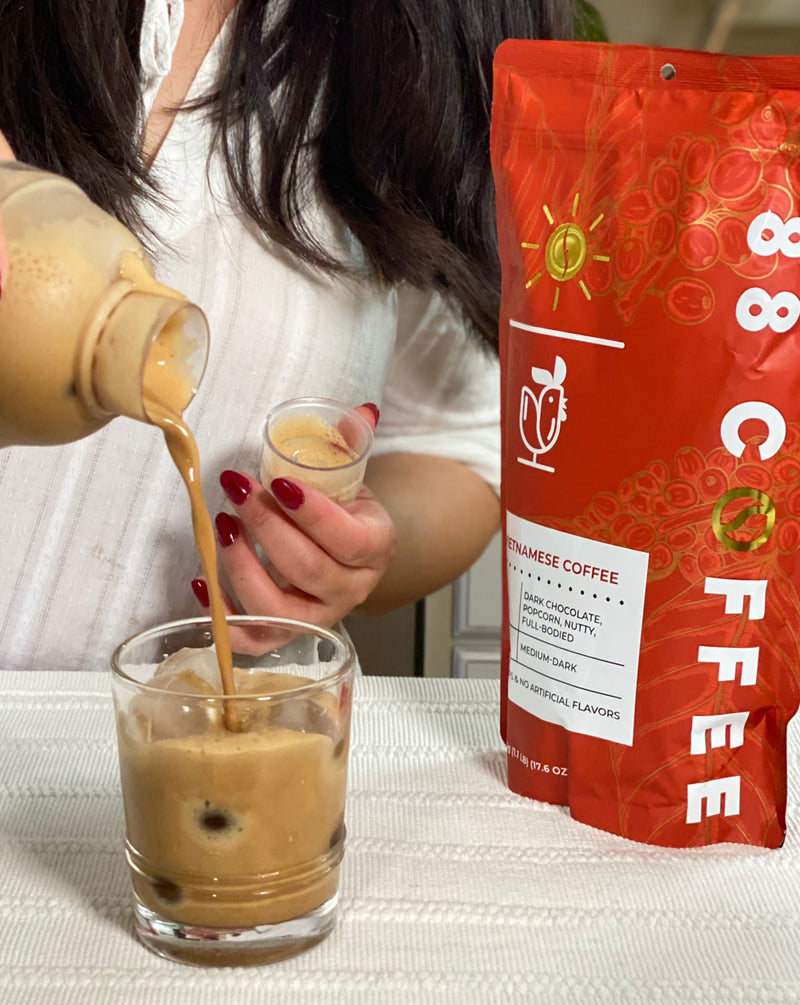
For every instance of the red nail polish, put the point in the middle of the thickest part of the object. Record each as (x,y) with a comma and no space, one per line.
(227,529)
(201,592)
(237,487)
(287,493)
(374,409)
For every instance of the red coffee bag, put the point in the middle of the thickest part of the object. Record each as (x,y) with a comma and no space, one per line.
(649,221)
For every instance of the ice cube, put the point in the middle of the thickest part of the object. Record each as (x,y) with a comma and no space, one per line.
(201,662)
(255,715)
(257,681)
(169,713)
(303,715)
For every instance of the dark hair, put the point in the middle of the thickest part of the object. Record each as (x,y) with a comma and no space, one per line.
(384,105)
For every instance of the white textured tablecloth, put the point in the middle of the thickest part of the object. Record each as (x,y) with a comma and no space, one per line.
(454,889)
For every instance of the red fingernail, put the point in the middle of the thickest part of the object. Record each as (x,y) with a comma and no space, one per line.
(201,592)
(237,487)
(287,493)
(227,529)
(374,409)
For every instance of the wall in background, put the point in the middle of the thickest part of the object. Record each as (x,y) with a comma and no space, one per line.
(743,27)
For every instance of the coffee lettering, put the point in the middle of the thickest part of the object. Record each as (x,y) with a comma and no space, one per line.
(728,729)
(736,591)
(723,730)
(739,414)
(711,794)
(729,660)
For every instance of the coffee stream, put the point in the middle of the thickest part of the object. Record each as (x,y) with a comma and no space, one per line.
(163,384)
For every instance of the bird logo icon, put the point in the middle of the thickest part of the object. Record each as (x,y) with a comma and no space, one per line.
(541,414)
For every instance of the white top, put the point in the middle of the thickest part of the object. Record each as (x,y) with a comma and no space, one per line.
(97,539)
(454,890)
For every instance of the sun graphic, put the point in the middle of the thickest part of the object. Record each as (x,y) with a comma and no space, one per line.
(566,250)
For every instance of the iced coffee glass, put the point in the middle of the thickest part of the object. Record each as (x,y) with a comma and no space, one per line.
(319,441)
(234,836)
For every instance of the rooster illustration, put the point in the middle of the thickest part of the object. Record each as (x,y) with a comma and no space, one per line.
(540,416)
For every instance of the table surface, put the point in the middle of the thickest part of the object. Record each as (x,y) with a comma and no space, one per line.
(454,889)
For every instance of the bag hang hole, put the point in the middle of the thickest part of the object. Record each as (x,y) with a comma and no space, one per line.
(668,71)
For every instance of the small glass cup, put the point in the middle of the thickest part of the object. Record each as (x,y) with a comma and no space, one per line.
(320,442)
(234,839)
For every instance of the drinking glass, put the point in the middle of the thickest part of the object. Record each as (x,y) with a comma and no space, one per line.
(234,839)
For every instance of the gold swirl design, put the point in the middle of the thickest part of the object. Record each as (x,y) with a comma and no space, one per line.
(566,252)
(764,506)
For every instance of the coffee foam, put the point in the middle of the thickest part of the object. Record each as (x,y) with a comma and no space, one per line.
(310,441)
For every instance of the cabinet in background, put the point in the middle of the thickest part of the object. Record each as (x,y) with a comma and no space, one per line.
(462,622)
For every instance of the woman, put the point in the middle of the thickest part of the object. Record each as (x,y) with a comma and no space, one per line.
(325,196)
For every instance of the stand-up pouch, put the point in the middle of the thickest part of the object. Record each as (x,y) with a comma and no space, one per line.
(649,222)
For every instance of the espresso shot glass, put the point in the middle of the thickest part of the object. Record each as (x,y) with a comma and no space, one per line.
(319,441)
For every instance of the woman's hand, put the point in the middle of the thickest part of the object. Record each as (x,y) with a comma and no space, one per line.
(6,154)
(323,559)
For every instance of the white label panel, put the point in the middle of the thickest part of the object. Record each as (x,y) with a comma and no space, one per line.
(575,612)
